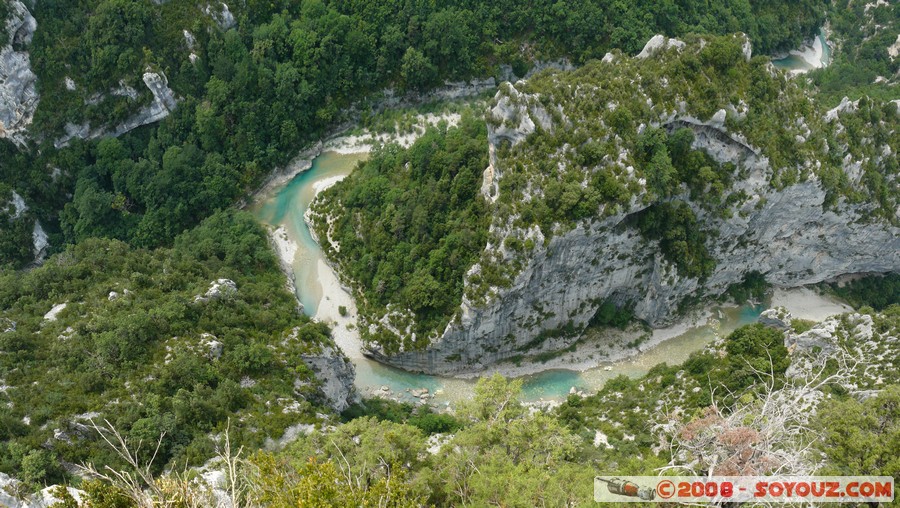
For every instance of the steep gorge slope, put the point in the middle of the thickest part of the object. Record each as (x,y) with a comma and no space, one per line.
(18,97)
(589,206)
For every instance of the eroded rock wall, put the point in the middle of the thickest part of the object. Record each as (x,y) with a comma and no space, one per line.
(787,235)
(18,96)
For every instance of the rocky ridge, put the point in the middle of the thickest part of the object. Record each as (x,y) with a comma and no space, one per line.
(784,233)
(163,103)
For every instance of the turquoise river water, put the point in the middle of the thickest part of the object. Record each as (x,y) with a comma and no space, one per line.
(798,63)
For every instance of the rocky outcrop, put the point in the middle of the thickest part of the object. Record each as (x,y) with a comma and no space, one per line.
(778,318)
(163,103)
(42,499)
(221,288)
(220,13)
(864,346)
(785,234)
(657,43)
(41,242)
(336,374)
(18,95)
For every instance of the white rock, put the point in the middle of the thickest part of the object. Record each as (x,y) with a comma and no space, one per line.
(41,242)
(221,15)
(894,49)
(212,346)
(164,102)
(18,205)
(659,42)
(220,288)
(52,313)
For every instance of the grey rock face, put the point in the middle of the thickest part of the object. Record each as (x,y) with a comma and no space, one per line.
(164,102)
(783,234)
(336,374)
(220,288)
(778,318)
(220,13)
(18,96)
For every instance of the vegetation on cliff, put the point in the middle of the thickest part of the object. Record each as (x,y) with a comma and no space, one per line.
(864,33)
(614,137)
(405,226)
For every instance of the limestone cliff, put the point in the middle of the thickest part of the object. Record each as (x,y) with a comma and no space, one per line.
(18,97)
(336,374)
(162,104)
(794,234)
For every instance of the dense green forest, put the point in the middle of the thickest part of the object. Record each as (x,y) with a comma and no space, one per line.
(258,93)
(134,345)
(424,225)
(876,291)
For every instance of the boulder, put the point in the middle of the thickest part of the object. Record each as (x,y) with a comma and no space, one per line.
(213,348)
(336,374)
(778,318)
(659,42)
(220,288)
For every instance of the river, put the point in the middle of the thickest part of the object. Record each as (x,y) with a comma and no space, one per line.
(810,56)
(321,295)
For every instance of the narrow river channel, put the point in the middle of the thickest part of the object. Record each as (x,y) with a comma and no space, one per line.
(284,208)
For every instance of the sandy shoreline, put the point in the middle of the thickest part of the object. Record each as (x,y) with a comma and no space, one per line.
(326,183)
(343,328)
(810,52)
(805,303)
(600,351)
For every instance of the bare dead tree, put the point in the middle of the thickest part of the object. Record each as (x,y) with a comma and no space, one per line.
(139,484)
(237,486)
(146,490)
(765,432)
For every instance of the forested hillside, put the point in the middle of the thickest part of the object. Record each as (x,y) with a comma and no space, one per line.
(258,83)
(175,340)
(745,405)
(424,224)
(867,52)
